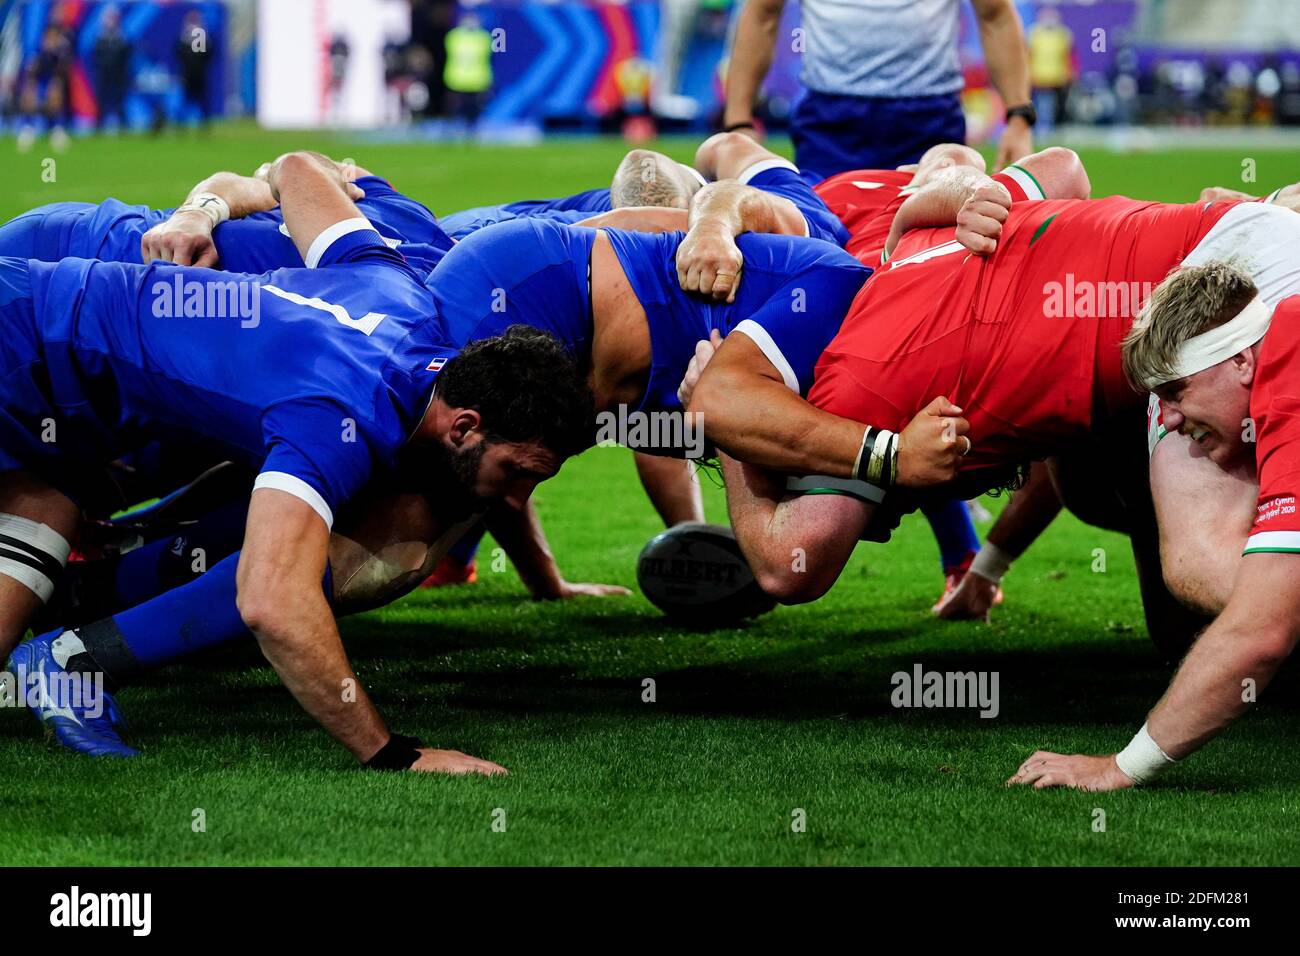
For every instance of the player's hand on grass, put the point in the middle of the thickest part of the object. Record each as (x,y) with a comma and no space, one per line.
(709,262)
(980,219)
(970,600)
(1077,771)
(704,350)
(931,447)
(185,239)
(573,589)
(455,762)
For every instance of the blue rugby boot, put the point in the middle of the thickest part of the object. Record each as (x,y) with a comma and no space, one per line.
(72,706)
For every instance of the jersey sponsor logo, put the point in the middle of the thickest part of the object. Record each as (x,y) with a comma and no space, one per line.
(437,364)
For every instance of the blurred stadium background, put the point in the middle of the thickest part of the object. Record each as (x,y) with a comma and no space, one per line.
(516,70)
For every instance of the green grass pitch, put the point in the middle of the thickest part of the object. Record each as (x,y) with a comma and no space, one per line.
(749,726)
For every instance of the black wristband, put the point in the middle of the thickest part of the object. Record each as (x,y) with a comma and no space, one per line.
(1025,111)
(743,124)
(400,753)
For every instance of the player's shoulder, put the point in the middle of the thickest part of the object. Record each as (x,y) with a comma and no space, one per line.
(1281,341)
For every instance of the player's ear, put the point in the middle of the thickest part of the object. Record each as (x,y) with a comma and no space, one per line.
(465,421)
(1243,364)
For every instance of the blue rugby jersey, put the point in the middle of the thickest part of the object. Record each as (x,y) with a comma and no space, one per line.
(318,378)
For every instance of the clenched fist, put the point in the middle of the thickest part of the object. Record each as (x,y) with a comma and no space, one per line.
(709,262)
(980,219)
(931,447)
(185,239)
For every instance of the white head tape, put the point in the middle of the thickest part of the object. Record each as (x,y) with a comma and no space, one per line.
(1210,348)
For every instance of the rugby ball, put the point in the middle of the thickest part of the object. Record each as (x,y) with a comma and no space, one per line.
(696,574)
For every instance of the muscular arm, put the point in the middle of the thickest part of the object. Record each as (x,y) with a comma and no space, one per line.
(1007,55)
(939,202)
(958,196)
(795,545)
(311,196)
(1244,647)
(243,194)
(281,601)
(186,237)
(750,413)
(708,259)
(734,208)
(751,58)
(1232,661)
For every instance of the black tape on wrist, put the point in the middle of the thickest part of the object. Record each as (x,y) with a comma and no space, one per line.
(882,471)
(400,753)
(743,124)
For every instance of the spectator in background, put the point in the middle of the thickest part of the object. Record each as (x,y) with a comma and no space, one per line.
(1051,66)
(44,90)
(883,79)
(431,21)
(194,52)
(469,67)
(112,61)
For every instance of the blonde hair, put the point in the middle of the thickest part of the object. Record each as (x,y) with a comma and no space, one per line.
(1191,300)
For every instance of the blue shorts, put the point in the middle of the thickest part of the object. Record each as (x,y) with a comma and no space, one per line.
(784,179)
(833,134)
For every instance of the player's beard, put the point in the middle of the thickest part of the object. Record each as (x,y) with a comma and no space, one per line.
(446,476)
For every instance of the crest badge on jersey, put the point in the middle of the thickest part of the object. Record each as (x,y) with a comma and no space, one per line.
(436,365)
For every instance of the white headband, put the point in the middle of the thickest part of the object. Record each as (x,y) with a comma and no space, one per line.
(1210,348)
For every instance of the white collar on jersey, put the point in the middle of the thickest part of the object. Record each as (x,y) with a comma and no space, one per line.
(1210,348)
